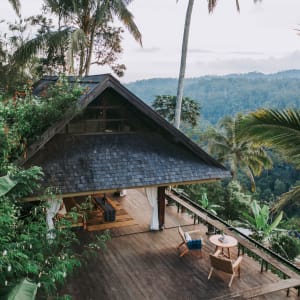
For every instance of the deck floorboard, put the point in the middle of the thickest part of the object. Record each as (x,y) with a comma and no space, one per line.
(139,264)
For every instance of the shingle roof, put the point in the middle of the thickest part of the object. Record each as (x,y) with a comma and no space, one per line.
(118,160)
(112,161)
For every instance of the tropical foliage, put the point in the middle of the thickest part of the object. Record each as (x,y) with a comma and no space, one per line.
(207,205)
(230,148)
(84,33)
(279,129)
(165,106)
(25,250)
(25,118)
(228,95)
(286,246)
(259,220)
(227,198)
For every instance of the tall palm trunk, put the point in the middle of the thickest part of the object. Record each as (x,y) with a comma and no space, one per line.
(90,53)
(183,63)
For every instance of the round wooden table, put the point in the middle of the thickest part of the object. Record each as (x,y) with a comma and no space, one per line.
(227,243)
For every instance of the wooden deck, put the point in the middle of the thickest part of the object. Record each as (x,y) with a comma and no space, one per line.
(139,264)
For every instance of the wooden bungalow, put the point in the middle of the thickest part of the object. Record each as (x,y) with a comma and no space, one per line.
(115,141)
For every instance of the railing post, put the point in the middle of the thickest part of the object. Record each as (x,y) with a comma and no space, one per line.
(262,265)
(267,266)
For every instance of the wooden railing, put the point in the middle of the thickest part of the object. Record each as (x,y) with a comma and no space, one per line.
(268,259)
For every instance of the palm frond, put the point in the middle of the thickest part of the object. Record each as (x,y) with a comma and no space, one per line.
(237,5)
(16,5)
(40,42)
(77,41)
(274,128)
(293,195)
(211,5)
(119,8)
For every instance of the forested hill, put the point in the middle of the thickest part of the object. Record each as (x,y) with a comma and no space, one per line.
(227,95)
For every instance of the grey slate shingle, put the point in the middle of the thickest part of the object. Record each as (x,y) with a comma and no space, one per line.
(120,161)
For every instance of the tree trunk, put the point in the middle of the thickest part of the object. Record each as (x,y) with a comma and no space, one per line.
(183,63)
(89,56)
(81,61)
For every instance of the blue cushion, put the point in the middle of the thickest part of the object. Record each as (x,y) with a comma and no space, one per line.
(194,244)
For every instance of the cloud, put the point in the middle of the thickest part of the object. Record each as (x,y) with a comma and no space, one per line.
(243,65)
(199,50)
(147,50)
(245,53)
(219,66)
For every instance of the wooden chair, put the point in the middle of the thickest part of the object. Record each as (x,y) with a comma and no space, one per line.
(188,243)
(224,264)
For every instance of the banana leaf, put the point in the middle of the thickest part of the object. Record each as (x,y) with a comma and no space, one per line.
(25,290)
(6,184)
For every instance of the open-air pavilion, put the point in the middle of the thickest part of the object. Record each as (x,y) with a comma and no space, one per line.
(115,142)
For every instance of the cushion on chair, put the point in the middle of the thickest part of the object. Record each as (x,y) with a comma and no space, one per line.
(194,244)
(187,236)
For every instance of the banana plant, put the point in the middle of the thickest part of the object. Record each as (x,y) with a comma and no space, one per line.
(6,184)
(260,221)
(25,290)
(207,205)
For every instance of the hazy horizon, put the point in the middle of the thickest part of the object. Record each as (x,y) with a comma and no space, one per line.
(261,38)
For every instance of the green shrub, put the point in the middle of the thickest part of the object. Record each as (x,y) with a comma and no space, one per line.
(286,246)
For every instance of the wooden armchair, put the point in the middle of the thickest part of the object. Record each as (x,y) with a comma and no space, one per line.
(188,243)
(224,264)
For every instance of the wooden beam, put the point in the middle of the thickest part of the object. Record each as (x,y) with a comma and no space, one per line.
(39,198)
(161,199)
(261,290)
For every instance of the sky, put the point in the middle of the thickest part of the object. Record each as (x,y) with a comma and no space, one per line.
(262,37)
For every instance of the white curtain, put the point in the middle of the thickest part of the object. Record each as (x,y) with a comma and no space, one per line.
(151,193)
(52,209)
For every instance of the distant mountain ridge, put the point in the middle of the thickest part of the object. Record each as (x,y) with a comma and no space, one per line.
(228,94)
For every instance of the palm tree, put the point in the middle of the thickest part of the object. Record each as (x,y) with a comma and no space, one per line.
(184,48)
(228,146)
(280,130)
(84,22)
(211,6)
(90,16)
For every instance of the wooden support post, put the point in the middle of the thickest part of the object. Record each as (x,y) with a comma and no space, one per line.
(161,198)
(262,266)
(267,266)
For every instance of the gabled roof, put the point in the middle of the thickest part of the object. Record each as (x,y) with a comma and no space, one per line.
(124,160)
